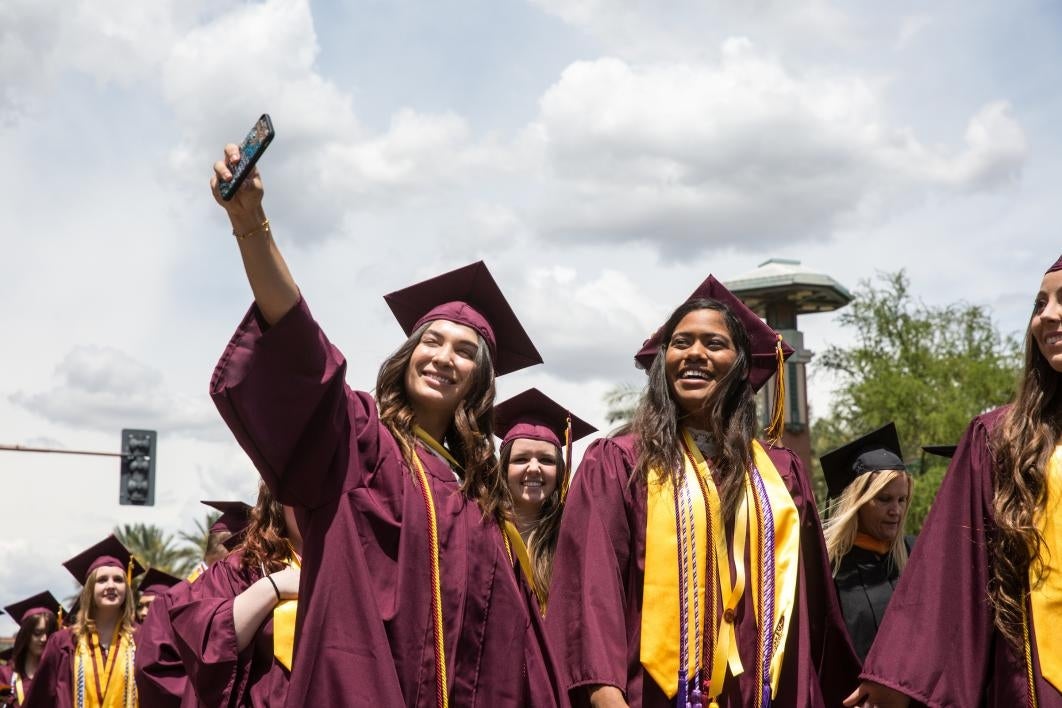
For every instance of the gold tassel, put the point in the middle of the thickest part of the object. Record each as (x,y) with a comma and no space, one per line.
(567,458)
(129,572)
(776,429)
(59,618)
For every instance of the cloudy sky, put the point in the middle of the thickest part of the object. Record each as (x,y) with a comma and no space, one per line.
(602,156)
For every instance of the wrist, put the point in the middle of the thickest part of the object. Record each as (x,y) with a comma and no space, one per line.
(247,221)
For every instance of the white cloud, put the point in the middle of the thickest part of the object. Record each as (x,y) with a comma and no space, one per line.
(746,152)
(101,388)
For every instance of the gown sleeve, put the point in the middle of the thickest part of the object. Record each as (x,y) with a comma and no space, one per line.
(161,680)
(824,649)
(941,597)
(53,684)
(205,635)
(588,596)
(281,390)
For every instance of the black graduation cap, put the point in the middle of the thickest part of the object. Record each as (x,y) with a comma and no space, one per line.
(877,450)
(941,450)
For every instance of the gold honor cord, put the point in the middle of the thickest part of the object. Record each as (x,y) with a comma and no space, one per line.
(442,693)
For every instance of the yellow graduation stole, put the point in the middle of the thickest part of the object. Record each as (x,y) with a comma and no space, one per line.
(20,694)
(514,544)
(105,683)
(284,623)
(1045,597)
(688,537)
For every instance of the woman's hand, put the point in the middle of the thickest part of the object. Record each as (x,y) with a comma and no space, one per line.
(874,695)
(287,581)
(245,208)
(604,696)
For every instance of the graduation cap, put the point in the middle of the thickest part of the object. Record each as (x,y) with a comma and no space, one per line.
(468,296)
(767,350)
(533,415)
(156,582)
(235,515)
(5,656)
(38,604)
(107,553)
(943,450)
(877,450)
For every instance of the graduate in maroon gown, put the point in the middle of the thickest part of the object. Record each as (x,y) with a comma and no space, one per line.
(90,663)
(535,459)
(154,584)
(235,628)
(38,619)
(161,679)
(974,620)
(691,568)
(407,595)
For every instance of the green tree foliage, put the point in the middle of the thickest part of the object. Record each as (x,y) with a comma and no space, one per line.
(928,368)
(155,548)
(620,402)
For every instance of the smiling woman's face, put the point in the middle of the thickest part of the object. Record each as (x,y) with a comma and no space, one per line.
(699,354)
(1046,324)
(110,587)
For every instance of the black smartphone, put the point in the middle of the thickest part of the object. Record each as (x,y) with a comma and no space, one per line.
(252,147)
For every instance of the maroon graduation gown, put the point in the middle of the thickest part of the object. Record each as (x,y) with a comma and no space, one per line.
(205,637)
(364,623)
(958,659)
(53,684)
(595,607)
(161,681)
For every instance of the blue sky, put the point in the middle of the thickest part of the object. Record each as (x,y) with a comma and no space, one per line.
(602,156)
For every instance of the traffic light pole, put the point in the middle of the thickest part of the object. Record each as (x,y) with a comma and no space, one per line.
(23,448)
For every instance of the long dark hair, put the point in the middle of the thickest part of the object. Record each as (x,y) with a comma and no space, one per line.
(731,413)
(470,437)
(265,542)
(542,542)
(1023,445)
(25,633)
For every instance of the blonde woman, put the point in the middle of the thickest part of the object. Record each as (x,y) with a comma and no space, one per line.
(90,664)
(864,533)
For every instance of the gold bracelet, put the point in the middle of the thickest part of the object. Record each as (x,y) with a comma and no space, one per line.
(264,227)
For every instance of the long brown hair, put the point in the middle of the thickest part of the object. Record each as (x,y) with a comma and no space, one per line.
(731,409)
(542,542)
(1023,442)
(85,623)
(470,437)
(265,542)
(26,629)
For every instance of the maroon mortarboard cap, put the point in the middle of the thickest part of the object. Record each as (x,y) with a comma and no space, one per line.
(6,655)
(38,604)
(156,582)
(468,296)
(235,515)
(533,415)
(108,552)
(877,450)
(763,340)
(1056,266)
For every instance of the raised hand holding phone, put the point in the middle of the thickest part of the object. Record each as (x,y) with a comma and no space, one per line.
(275,291)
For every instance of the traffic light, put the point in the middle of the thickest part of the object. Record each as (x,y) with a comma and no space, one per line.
(137,484)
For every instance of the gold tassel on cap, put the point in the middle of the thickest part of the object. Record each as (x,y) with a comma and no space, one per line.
(59,618)
(129,572)
(567,458)
(774,431)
